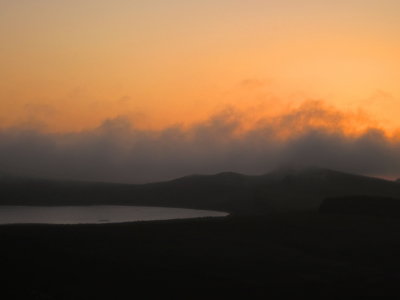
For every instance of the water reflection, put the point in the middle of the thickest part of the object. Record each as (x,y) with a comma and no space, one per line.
(98,214)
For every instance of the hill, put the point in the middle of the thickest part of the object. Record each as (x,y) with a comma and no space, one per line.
(278,191)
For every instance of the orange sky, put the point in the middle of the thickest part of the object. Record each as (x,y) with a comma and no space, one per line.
(69,65)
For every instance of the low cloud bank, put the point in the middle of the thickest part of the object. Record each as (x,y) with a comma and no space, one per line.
(116,151)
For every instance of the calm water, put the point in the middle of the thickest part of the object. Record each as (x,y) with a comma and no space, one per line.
(97,214)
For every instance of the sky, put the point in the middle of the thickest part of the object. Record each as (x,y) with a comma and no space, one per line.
(137,91)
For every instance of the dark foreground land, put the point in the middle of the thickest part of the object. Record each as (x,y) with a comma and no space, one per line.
(316,255)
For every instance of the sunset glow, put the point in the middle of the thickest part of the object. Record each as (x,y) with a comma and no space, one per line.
(157,68)
(68,66)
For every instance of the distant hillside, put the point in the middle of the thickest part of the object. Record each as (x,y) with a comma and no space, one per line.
(281,190)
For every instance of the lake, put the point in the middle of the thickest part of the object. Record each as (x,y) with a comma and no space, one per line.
(96,214)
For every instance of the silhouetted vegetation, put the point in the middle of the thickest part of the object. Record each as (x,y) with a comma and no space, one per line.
(326,256)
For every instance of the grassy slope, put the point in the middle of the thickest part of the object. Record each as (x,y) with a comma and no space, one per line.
(330,256)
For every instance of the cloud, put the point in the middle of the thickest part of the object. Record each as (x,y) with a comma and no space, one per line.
(252,83)
(311,134)
(40,109)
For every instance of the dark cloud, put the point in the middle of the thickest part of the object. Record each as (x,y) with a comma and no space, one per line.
(117,151)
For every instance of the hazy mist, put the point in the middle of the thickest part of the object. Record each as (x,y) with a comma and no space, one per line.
(117,151)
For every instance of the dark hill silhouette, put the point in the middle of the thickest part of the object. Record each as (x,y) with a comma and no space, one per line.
(278,191)
(362,205)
